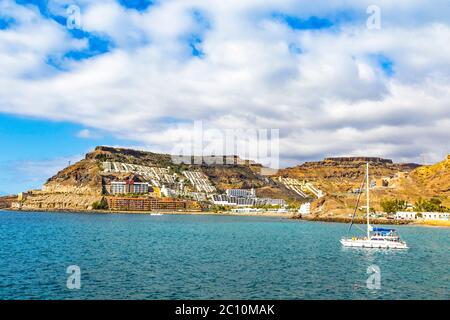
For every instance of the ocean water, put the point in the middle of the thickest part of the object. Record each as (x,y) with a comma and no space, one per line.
(126,256)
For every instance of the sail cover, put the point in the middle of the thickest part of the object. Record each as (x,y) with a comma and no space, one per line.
(382,230)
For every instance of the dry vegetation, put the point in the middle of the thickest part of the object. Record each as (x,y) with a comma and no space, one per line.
(336,178)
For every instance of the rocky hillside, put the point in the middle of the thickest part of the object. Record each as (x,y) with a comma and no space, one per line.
(82,177)
(5,201)
(89,174)
(337,175)
(340,177)
(426,182)
(434,178)
(82,183)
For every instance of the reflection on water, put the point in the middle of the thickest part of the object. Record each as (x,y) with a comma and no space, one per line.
(210,257)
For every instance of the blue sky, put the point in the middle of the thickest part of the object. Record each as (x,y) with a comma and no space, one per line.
(140,73)
(34,150)
(32,143)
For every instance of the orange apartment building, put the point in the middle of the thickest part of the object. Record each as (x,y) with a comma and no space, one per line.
(149,204)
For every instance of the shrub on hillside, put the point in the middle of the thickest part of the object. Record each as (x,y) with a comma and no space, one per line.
(432,205)
(100,205)
(393,206)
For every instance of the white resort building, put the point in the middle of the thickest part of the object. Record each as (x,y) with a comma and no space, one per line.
(305,208)
(406,215)
(244,198)
(124,187)
(244,193)
(411,215)
(435,215)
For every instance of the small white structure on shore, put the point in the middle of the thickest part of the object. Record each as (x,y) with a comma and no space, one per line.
(406,215)
(246,210)
(305,208)
(435,215)
(164,191)
(411,215)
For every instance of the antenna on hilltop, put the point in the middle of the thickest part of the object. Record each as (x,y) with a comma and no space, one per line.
(424,158)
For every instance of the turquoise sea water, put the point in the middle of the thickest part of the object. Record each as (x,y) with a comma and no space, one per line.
(210,257)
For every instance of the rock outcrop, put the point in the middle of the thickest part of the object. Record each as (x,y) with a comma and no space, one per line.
(59,201)
(78,186)
(6,201)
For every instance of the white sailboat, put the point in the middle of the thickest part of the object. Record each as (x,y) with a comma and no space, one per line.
(376,237)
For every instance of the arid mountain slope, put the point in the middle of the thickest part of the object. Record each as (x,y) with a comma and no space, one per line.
(85,181)
(338,175)
(434,178)
(78,185)
(340,178)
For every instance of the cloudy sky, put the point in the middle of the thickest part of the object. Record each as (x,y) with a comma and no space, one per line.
(329,75)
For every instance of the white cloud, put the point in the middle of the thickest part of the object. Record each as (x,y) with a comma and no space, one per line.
(85,133)
(26,47)
(333,98)
(37,170)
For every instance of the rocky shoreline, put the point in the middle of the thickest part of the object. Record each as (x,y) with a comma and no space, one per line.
(267,214)
(292,216)
(357,221)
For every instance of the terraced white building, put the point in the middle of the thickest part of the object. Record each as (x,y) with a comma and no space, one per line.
(156,175)
(301,187)
(200,181)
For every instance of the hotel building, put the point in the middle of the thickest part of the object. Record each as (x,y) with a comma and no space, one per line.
(242,193)
(149,204)
(125,187)
(244,198)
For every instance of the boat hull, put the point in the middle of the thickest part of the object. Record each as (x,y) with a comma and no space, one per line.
(364,243)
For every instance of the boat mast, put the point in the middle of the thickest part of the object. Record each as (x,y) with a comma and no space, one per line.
(368,204)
